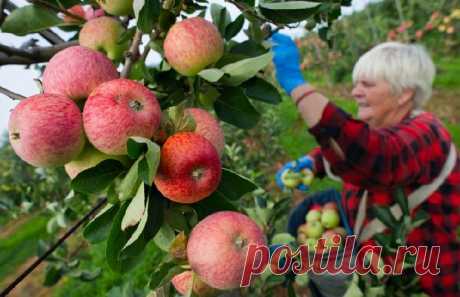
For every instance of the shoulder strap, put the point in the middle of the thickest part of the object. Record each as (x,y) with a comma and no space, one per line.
(416,198)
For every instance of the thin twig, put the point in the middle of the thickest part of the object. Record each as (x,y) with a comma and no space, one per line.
(31,55)
(61,240)
(133,54)
(11,94)
(2,7)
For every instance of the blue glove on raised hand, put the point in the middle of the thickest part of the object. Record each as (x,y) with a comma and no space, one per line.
(286,58)
(295,174)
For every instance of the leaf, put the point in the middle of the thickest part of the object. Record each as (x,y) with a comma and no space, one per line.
(164,274)
(98,228)
(30,19)
(212,75)
(385,216)
(96,179)
(234,27)
(116,241)
(137,233)
(52,276)
(211,204)
(401,199)
(259,89)
(146,13)
(164,237)
(220,17)
(135,211)
(130,182)
(234,108)
(245,69)
(232,185)
(289,11)
(149,165)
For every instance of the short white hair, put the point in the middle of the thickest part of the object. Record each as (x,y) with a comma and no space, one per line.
(403,66)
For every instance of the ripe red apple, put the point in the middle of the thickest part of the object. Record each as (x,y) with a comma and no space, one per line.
(46,130)
(330,205)
(88,158)
(331,238)
(330,218)
(208,126)
(76,10)
(183,281)
(218,245)
(103,34)
(117,7)
(314,229)
(117,110)
(76,71)
(190,168)
(193,44)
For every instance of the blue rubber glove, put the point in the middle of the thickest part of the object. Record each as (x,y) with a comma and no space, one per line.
(286,58)
(296,166)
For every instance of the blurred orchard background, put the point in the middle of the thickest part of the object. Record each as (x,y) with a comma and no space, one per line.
(32,213)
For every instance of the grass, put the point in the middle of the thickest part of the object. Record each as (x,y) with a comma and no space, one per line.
(447,73)
(22,244)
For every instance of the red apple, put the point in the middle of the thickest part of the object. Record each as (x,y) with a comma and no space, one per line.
(330,205)
(46,130)
(190,168)
(208,126)
(218,245)
(103,34)
(76,71)
(331,238)
(183,281)
(117,110)
(75,10)
(193,44)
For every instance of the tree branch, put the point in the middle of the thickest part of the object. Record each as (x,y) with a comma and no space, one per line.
(11,94)
(33,55)
(133,54)
(57,9)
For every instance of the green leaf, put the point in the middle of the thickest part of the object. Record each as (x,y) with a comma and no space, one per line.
(164,237)
(420,218)
(289,11)
(52,275)
(117,239)
(146,13)
(29,19)
(99,227)
(234,108)
(140,228)
(232,185)
(234,27)
(259,89)
(130,182)
(245,69)
(385,216)
(220,17)
(401,199)
(211,204)
(212,75)
(149,164)
(164,274)
(135,211)
(248,48)
(96,179)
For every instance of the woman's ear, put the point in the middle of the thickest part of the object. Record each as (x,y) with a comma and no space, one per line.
(406,96)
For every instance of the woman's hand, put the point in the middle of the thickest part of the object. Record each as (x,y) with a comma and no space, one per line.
(286,58)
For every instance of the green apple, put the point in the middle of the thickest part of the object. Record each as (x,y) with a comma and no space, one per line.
(103,34)
(313,215)
(314,229)
(311,243)
(307,176)
(117,7)
(282,238)
(290,179)
(330,218)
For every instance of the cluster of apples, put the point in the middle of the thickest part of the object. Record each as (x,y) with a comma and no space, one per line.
(87,113)
(293,179)
(321,222)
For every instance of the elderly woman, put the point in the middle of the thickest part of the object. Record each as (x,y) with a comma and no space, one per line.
(392,144)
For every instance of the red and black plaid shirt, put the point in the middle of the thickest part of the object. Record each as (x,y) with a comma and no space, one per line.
(406,155)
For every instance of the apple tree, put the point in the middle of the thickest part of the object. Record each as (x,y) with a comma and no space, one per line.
(144,141)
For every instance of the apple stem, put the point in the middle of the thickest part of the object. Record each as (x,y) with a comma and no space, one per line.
(240,242)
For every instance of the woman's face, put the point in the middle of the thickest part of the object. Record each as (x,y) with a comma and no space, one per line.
(377,105)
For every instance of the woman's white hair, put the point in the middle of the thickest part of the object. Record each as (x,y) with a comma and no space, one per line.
(403,66)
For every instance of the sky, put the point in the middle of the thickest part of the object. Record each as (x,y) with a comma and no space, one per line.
(21,80)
